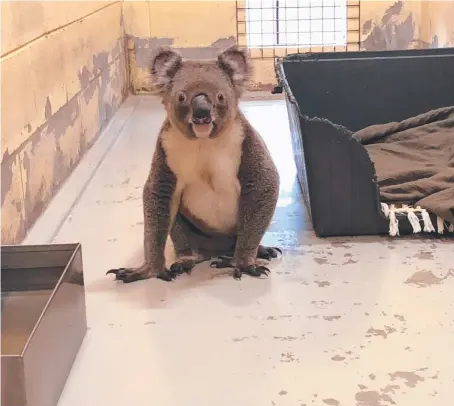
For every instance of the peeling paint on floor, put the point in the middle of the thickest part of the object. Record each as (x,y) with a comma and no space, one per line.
(340,322)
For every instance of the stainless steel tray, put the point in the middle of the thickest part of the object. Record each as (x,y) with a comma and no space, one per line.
(43,321)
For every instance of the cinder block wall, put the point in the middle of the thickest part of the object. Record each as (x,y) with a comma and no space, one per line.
(63,77)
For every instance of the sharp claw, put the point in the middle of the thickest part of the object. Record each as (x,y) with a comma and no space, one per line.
(278,250)
(264,270)
(114,271)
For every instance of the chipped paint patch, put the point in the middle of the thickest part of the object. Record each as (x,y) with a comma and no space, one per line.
(380,332)
(425,278)
(372,398)
(340,244)
(322,284)
(288,357)
(390,389)
(411,378)
(284,316)
(331,318)
(331,402)
(424,255)
(395,30)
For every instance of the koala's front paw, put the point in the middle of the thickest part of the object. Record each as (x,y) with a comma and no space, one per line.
(128,275)
(222,262)
(251,270)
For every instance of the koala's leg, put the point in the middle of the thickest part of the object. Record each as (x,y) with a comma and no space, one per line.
(186,243)
(160,202)
(259,181)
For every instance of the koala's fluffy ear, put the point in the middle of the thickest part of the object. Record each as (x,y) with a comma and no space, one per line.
(165,63)
(235,62)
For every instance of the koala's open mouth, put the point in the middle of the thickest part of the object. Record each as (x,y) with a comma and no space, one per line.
(203,130)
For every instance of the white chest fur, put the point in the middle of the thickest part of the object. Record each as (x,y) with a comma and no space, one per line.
(207,175)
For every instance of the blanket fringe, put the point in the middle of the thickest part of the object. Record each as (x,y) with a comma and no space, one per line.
(393,222)
(414,221)
(391,211)
(428,226)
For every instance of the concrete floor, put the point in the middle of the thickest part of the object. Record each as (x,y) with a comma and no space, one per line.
(347,321)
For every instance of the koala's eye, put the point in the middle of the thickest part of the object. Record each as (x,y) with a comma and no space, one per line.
(220,97)
(181,97)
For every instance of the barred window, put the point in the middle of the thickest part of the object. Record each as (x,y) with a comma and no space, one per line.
(299,24)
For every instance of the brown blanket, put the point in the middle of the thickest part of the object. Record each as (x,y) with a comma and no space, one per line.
(414,160)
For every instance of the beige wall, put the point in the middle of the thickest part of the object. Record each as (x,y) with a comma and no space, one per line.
(63,77)
(438,23)
(198,29)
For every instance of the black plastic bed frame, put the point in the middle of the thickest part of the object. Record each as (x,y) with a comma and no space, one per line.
(354,89)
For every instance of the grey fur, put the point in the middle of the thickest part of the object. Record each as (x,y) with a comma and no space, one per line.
(177,80)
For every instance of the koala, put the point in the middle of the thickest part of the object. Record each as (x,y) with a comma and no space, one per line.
(213,185)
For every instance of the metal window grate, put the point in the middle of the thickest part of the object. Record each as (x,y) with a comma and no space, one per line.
(271,28)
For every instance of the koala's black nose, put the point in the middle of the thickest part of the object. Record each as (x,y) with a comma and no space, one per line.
(201,109)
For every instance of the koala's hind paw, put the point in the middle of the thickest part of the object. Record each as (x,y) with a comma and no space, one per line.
(187,263)
(179,268)
(268,253)
(222,262)
(167,275)
(251,270)
(128,275)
